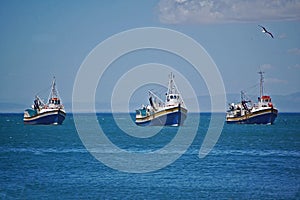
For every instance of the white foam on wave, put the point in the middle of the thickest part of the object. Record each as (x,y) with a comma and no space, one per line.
(236,152)
(42,150)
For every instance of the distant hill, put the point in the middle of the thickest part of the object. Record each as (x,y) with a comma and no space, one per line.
(284,103)
(12,108)
(287,103)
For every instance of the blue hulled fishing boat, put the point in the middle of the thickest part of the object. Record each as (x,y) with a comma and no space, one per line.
(246,112)
(51,112)
(171,112)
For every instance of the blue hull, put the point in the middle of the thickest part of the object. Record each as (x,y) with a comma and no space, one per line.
(47,118)
(171,119)
(265,118)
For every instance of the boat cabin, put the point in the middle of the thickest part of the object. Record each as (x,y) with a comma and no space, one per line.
(265,101)
(54,101)
(172,99)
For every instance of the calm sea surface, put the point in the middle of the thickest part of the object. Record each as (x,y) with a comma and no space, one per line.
(248,162)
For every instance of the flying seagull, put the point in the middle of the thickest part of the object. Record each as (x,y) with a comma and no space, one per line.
(265,31)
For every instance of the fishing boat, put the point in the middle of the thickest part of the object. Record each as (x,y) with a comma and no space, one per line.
(247,112)
(51,112)
(171,112)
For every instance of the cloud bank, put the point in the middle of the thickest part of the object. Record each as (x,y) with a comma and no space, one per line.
(226,11)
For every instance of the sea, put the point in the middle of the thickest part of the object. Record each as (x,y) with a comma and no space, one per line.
(56,161)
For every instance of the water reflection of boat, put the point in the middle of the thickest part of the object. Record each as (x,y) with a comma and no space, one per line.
(245,112)
(172,112)
(51,112)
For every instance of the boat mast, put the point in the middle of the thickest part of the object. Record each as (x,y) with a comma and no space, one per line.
(261,92)
(171,84)
(53,93)
(172,88)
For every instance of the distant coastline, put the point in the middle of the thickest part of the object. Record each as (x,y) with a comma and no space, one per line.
(285,103)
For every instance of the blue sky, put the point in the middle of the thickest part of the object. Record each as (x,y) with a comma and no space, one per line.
(40,39)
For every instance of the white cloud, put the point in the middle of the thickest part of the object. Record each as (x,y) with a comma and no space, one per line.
(222,11)
(275,80)
(265,67)
(295,51)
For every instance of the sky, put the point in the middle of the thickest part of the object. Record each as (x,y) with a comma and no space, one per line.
(42,39)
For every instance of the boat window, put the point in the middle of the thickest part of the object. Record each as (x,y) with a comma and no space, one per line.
(171,96)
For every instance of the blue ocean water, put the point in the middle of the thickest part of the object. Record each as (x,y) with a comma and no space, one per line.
(248,162)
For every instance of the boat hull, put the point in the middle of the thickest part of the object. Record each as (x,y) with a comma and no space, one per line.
(168,117)
(56,116)
(266,116)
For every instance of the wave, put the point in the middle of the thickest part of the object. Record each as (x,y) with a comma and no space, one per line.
(107,150)
(42,150)
(256,153)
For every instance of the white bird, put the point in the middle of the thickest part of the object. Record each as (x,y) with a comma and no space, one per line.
(265,31)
